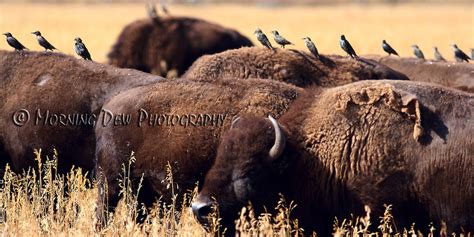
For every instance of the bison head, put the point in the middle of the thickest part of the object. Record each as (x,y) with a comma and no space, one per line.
(246,169)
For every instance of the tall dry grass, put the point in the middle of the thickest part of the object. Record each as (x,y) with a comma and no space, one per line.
(365,26)
(42,202)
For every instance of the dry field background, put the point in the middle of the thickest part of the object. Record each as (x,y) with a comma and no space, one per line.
(364,25)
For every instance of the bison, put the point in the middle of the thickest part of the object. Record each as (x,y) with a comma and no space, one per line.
(291,66)
(167,46)
(342,149)
(179,122)
(50,100)
(450,74)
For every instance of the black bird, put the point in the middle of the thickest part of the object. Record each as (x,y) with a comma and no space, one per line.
(81,49)
(310,45)
(459,54)
(151,11)
(438,56)
(280,40)
(347,47)
(417,51)
(43,42)
(387,48)
(14,42)
(262,38)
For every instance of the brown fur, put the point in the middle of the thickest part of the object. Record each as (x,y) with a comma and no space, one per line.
(61,84)
(169,45)
(450,74)
(352,146)
(291,66)
(190,150)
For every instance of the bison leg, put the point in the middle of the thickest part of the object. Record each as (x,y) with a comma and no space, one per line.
(4,159)
(107,173)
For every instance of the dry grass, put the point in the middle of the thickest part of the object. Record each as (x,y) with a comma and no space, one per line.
(364,25)
(45,203)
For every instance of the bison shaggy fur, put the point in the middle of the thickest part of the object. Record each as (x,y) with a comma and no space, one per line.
(360,145)
(41,82)
(169,45)
(450,74)
(291,66)
(190,149)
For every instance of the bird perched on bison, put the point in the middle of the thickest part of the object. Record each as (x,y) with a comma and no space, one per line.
(164,7)
(347,47)
(417,52)
(458,75)
(459,55)
(81,49)
(263,39)
(387,48)
(311,47)
(169,45)
(13,42)
(438,56)
(43,42)
(280,39)
(291,66)
(151,10)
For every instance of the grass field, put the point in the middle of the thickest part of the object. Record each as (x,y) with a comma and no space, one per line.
(34,204)
(364,25)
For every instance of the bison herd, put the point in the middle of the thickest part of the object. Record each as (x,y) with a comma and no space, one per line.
(334,134)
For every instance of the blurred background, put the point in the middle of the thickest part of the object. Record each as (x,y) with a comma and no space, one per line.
(365,23)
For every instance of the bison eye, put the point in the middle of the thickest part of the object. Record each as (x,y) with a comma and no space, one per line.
(241,189)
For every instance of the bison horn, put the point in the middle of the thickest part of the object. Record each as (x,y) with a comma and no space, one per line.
(234,121)
(280,140)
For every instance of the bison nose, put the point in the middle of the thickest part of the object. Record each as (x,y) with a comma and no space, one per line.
(202,207)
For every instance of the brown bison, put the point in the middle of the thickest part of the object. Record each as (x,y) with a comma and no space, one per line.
(450,74)
(290,66)
(50,100)
(179,122)
(338,150)
(168,46)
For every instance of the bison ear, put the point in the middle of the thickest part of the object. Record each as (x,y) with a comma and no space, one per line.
(412,108)
(280,140)
(235,119)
